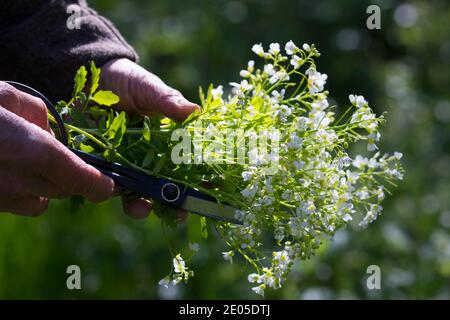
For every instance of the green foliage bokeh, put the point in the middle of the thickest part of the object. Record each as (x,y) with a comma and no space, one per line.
(403,69)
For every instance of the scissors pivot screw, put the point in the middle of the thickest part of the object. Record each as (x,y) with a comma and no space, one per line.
(170,192)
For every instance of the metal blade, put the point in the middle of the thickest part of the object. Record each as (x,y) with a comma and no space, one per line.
(210,209)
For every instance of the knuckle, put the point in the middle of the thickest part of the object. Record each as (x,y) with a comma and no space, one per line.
(163,97)
(41,107)
(9,95)
(171,93)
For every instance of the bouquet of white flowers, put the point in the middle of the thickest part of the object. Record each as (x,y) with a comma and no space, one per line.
(273,148)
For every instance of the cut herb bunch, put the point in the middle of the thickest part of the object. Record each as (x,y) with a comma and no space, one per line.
(314,189)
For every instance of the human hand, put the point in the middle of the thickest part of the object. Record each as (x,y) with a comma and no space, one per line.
(34,166)
(142,92)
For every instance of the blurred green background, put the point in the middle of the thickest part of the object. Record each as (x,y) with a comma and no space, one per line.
(402,69)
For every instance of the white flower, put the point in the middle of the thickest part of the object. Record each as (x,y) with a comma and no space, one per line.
(286,195)
(279,76)
(306,47)
(357,101)
(253,277)
(194,246)
(258,49)
(268,184)
(259,290)
(302,123)
(344,162)
(371,147)
(320,105)
(251,66)
(281,257)
(347,217)
(179,265)
(176,281)
(283,111)
(277,96)
(316,80)
(274,48)
(296,61)
(245,85)
(228,256)
(295,142)
(363,194)
(299,164)
(217,92)
(291,48)
(239,215)
(267,278)
(398,155)
(247,175)
(164,282)
(241,87)
(245,74)
(380,193)
(372,138)
(371,215)
(395,173)
(360,162)
(269,69)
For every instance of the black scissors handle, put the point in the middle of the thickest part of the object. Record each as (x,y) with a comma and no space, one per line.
(141,183)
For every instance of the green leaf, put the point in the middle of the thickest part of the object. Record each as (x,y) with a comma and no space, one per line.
(148,158)
(86,148)
(204,227)
(81,97)
(95,77)
(60,106)
(159,164)
(79,118)
(97,112)
(202,96)
(117,129)
(80,80)
(105,98)
(146,132)
(109,155)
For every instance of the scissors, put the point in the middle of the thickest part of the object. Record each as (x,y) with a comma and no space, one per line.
(140,183)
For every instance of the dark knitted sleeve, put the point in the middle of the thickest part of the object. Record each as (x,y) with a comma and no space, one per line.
(38,48)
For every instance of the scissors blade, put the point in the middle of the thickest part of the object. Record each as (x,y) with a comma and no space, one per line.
(217,211)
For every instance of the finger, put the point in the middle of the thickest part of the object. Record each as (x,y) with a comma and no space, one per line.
(38,186)
(34,110)
(171,103)
(24,105)
(25,206)
(137,208)
(63,168)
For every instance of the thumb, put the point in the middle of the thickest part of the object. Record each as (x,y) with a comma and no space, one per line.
(172,104)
